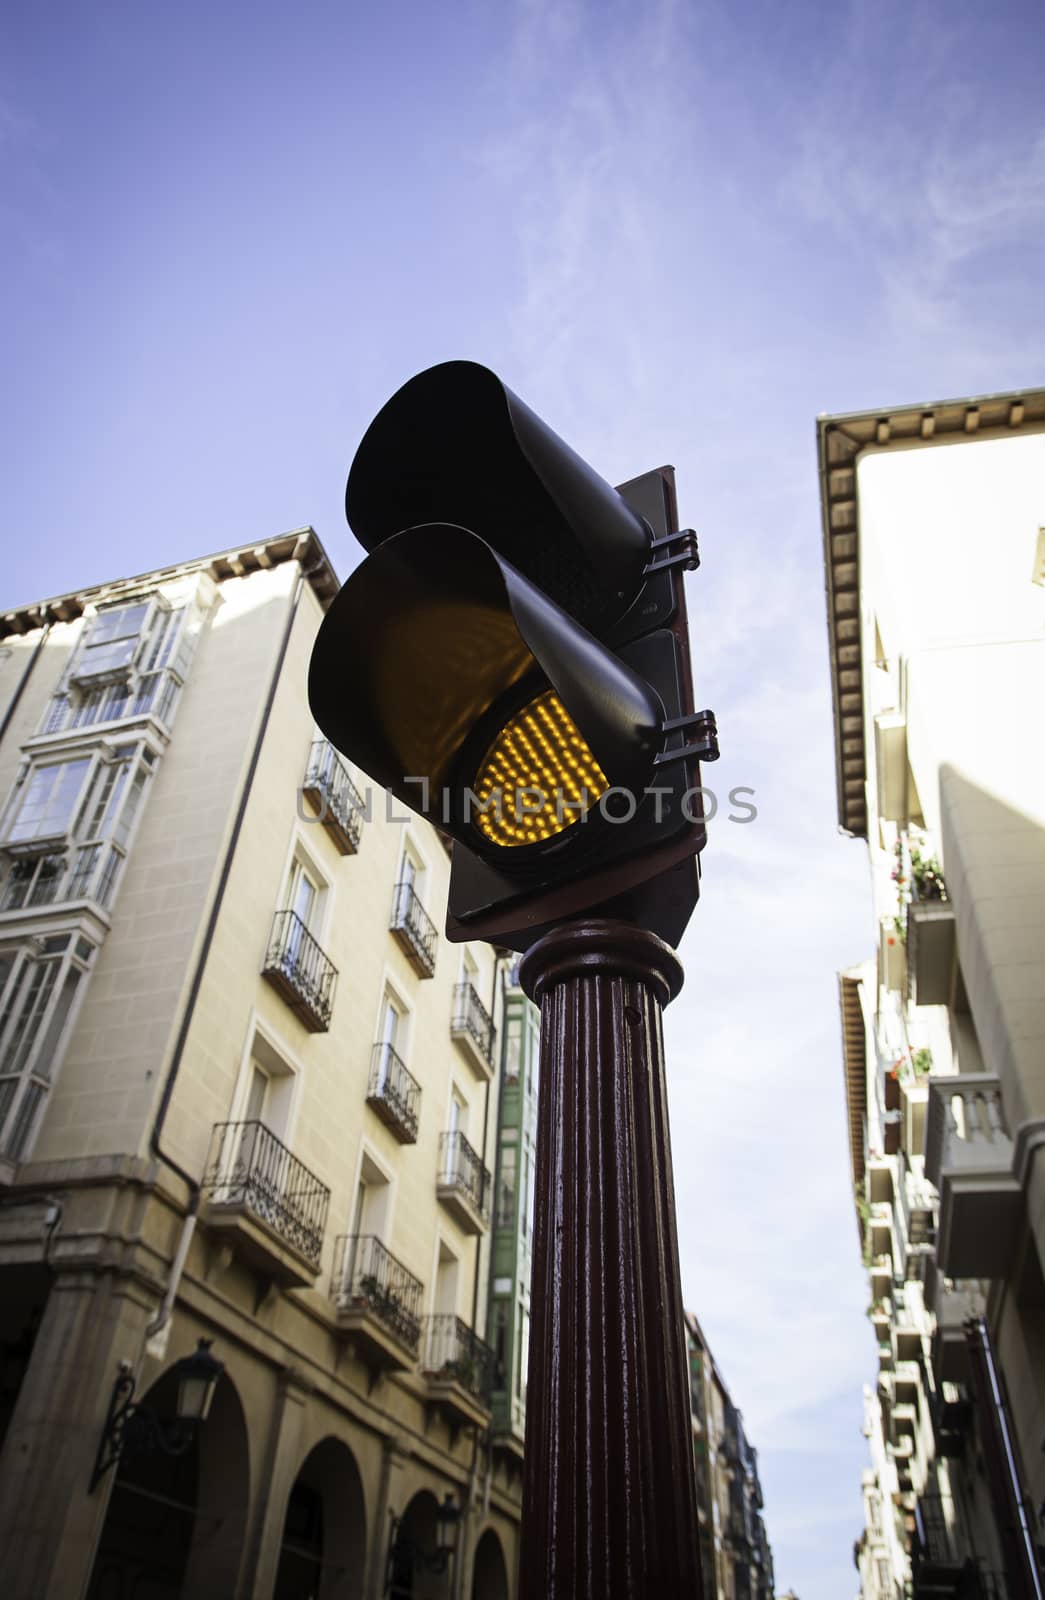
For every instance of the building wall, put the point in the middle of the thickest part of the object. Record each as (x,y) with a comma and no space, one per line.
(513,1219)
(953,657)
(736,1559)
(91,1222)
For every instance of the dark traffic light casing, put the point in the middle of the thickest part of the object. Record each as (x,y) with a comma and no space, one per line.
(512,662)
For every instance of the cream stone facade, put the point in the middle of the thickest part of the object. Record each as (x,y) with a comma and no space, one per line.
(933,519)
(735,1557)
(247,1094)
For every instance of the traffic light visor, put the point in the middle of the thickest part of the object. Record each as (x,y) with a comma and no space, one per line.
(439,669)
(455,445)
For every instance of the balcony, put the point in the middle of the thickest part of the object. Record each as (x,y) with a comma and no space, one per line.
(951,1411)
(914,1097)
(939,1556)
(881,1276)
(394,1093)
(930,952)
(463,1184)
(892,957)
(330,792)
(272,1207)
(881,1311)
(298,970)
(414,930)
(891,1113)
(907,1382)
(907,1337)
(968,1157)
(881,1226)
(378,1303)
(955,1304)
(879,1180)
(458,1370)
(472,1026)
(903,1420)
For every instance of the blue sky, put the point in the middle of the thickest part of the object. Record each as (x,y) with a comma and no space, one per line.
(679,231)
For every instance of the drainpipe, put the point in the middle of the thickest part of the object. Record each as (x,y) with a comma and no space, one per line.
(473,1471)
(158,1331)
(1010,1503)
(12,705)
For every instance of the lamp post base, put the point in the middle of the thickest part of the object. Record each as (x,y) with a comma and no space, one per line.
(609,1502)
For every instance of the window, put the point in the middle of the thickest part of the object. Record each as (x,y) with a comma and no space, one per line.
(38,988)
(111,641)
(267,1095)
(89,807)
(500,1343)
(456,1118)
(513,1049)
(507,1174)
(132,660)
(522,1366)
(445,1298)
(391,1039)
(49,800)
(529,1180)
(371,1214)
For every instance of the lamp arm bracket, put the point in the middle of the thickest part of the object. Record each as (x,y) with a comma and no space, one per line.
(678,550)
(134,1427)
(702,747)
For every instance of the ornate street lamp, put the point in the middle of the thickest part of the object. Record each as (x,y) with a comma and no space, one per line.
(134,1429)
(406,1555)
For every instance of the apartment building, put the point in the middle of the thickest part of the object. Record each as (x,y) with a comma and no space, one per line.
(513,1216)
(735,1557)
(935,562)
(247,1097)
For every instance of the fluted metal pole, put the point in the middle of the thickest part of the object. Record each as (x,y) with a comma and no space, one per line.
(609,1502)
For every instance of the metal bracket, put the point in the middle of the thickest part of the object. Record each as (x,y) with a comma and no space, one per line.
(703,747)
(133,1428)
(680,550)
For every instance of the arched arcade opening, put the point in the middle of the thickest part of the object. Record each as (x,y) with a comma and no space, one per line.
(175,1524)
(489,1572)
(323,1552)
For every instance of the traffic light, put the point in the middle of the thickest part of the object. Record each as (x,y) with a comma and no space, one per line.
(512,662)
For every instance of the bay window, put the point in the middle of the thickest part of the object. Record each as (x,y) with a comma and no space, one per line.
(111,642)
(39,986)
(49,800)
(131,661)
(71,822)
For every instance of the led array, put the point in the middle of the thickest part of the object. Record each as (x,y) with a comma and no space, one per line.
(539,749)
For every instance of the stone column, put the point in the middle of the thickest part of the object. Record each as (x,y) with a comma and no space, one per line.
(282,1463)
(49,1524)
(609,1501)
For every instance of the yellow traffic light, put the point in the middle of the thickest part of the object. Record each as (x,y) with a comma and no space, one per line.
(537,777)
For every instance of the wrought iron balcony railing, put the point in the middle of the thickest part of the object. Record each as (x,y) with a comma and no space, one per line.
(461,1170)
(250,1168)
(329,789)
(471,1019)
(369,1277)
(394,1093)
(414,928)
(299,969)
(453,1353)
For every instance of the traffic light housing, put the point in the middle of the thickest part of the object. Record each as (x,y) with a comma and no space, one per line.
(512,662)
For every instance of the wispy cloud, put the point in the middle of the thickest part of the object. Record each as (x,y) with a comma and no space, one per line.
(933,195)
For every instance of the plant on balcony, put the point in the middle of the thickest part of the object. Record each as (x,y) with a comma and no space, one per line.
(384,1302)
(922,1062)
(924,883)
(927,876)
